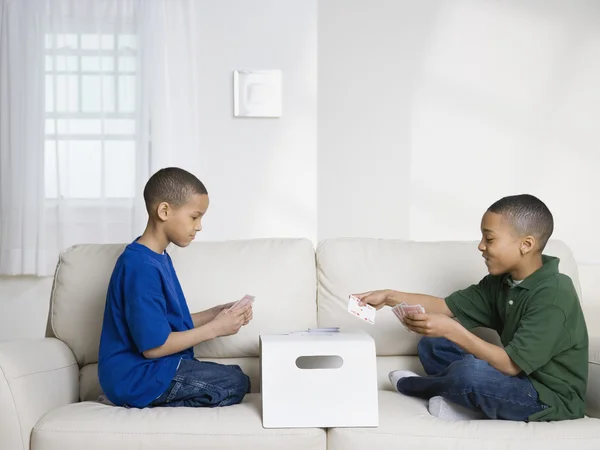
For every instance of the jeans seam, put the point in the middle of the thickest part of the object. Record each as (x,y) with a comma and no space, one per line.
(471,391)
(173,392)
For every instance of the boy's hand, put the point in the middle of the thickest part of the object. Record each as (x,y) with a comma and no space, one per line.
(225,306)
(432,325)
(248,316)
(229,322)
(377,299)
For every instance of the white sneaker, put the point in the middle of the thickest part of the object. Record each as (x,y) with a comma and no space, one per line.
(396,375)
(445,409)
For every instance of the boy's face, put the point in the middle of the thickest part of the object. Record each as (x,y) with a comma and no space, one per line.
(184,222)
(500,244)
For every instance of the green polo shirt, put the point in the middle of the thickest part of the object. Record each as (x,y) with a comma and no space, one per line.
(542,328)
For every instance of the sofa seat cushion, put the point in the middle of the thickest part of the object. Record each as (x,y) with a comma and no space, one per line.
(94,426)
(405,423)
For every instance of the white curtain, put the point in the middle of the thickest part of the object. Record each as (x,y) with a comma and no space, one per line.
(93,94)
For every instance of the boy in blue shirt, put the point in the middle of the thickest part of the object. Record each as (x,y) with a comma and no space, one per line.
(146,356)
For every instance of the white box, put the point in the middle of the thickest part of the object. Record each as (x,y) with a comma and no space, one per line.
(336,386)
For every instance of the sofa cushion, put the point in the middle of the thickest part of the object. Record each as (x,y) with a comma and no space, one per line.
(404,422)
(348,265)
(94,426)
(279,272)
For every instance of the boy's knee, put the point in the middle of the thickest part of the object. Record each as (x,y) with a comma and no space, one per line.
(427,345)
(473,372)
(240,380)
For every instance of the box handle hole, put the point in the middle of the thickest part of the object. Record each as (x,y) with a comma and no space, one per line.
(319,362)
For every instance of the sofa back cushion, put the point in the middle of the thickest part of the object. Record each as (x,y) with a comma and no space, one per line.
(279,272)
(347,266)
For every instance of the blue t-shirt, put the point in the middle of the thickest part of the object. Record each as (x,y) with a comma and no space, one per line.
(144,304)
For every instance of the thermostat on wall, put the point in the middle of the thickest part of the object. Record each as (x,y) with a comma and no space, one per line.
(257,93)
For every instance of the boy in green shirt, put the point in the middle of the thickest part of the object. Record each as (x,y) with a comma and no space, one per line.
(540,372)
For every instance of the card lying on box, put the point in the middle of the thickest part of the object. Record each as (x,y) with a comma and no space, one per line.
(365,313)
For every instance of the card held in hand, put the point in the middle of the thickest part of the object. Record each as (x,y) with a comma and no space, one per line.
(242,302)
(365,313)
(402,310)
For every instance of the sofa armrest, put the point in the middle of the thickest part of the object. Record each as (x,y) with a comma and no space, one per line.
(593,389)
(36,376)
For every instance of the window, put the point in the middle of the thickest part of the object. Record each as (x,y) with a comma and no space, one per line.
(91,120)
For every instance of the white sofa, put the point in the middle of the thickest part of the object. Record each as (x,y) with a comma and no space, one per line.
(48,387)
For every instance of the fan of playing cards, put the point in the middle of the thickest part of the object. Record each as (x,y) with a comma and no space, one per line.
(402,310)
(242,302)
(367,313)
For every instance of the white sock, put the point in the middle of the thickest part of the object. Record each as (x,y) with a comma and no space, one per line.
(395,375)
(445,409)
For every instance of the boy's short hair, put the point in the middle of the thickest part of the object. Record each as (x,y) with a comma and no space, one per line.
(172,185)
(528,215)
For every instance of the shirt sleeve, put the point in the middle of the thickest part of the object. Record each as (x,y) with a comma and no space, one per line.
(540,336)
(146,311)
(475,305)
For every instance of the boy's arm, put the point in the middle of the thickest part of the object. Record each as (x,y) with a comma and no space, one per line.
(434,305)
(178,341)
(438,325)
(496,356)
(224,324)
(389,297)
(473,306)
(203,317)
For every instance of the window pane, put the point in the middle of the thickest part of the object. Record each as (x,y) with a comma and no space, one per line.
(49,40)
(67,63)
(90,42)
(81,160)
(50,175)
(108,64)
(50,126)
(97,64)
(79,126)
(108,93)
(66,41)
(91,92)
(127,42)
(126,93)
(119,126)
(48,63)
(67,94)
(49,93)
(90,64)
(107,42)
(119,169)
(126,64)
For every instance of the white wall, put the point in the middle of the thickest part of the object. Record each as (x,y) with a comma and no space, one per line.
(261,173)
(430,111)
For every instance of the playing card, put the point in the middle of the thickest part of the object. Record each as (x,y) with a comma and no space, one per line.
(242,302)
(402,310)
(413,309)
(365,313)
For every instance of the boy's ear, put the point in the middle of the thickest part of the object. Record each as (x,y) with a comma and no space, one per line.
(163,211)
(527,245)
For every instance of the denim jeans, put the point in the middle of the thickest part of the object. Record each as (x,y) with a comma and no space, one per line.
(205,384)
(465,380)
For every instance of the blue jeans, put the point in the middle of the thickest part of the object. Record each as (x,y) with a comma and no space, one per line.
(205,384)
(465,380)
